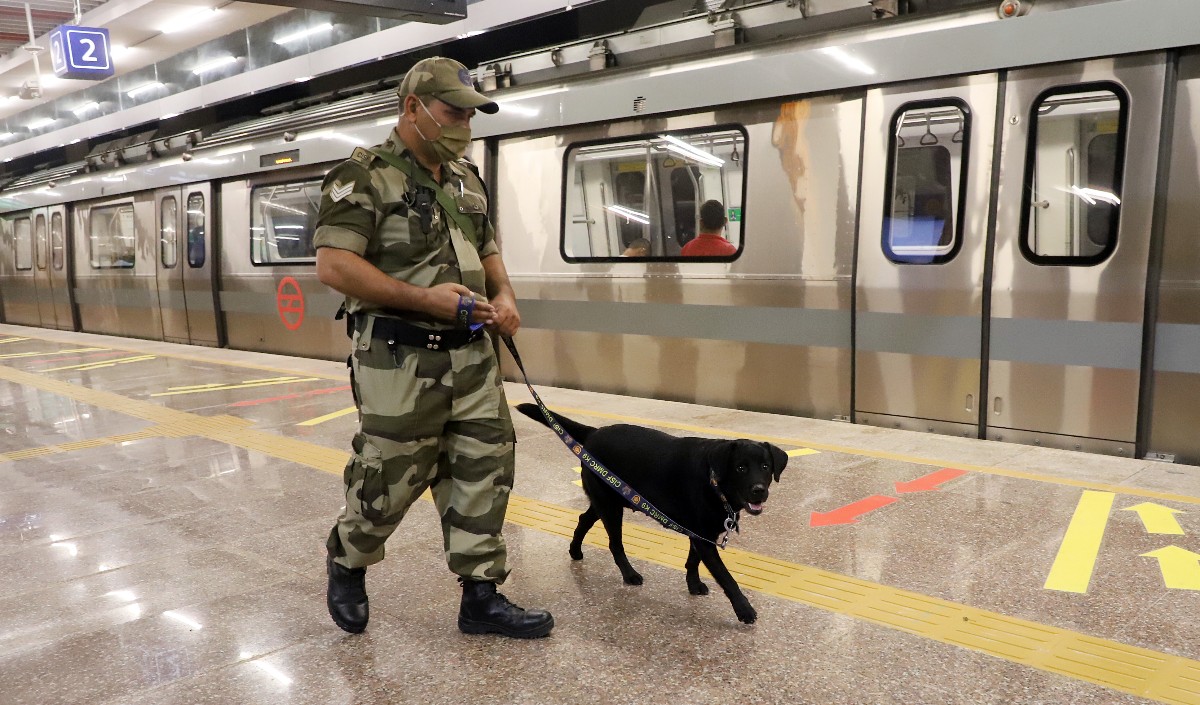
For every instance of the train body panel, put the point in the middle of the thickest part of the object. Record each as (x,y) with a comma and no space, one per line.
(979,246)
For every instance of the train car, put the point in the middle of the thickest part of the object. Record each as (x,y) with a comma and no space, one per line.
(997,245)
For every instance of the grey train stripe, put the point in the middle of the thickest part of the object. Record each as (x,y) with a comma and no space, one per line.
(121,298)
(263,303)
(1177,348)
(1079,343)
(936,336)
(779,326)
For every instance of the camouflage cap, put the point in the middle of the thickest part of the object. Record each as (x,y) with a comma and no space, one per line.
(448,81)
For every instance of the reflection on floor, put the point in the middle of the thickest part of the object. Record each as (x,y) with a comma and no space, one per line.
(163,510)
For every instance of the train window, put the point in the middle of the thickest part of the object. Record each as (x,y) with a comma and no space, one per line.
(1076,157)
(642,198)
(282,221)
(57,242)
(168,220)
(39,240)
(196,251)
(927,170)
(112,237)
(23,234)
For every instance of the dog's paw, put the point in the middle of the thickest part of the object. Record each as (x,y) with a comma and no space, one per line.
(576,553)
(747,614)
(697,588)
(633,578)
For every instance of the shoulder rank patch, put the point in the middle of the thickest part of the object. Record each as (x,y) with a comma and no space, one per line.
(337,191)
(362,156)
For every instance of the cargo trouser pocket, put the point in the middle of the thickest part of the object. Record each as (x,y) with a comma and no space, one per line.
(372,488)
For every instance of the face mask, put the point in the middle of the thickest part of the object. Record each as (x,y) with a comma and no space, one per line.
(452,144)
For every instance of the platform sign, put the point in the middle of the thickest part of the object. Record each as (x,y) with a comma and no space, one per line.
(81,53)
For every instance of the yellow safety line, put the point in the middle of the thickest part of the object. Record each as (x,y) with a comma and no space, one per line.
(151,432)
(329,417)
(98,365)
(885,455)
(12,340)
(1130,669)
(243,385)
(1076,559)
(41,353)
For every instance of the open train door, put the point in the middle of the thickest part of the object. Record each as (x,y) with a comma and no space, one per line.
(927,164)
(1074,208)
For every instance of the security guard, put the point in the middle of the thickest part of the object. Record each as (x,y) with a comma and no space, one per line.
(403,232)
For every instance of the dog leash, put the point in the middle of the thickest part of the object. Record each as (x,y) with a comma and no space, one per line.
(635,499)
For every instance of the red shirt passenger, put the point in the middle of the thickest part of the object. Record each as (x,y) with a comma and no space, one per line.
(709,242)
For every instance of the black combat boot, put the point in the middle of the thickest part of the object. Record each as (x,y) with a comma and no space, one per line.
(485,610)
(347,596)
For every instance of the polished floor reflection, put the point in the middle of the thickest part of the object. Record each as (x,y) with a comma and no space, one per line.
(163,510)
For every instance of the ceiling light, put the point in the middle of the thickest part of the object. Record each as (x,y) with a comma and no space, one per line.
(296,36)
(39,124)
(133,92)
(117,50)
(85,108)
(302,79)
(189,21)
(215,64)
(5,135)
(629,214)
(168,116)
(684,149)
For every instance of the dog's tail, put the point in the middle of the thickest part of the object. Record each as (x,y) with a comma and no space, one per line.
(578,431)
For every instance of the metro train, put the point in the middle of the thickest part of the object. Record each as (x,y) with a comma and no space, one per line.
(1001,245)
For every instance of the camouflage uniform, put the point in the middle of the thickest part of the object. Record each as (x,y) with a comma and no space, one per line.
(427,418)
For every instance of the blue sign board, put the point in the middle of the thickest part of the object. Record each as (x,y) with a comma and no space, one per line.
(80,52)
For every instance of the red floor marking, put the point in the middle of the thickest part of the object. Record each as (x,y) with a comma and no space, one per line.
(268,400)
(930,481)
(848,513)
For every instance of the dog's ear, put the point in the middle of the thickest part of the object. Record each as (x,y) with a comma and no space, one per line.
(779,459)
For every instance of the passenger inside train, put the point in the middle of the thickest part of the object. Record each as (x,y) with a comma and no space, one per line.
(710,242)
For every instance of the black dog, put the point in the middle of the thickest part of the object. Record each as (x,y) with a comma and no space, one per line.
(673,474)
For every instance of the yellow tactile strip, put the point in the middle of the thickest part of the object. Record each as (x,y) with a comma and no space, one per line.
(1130,669)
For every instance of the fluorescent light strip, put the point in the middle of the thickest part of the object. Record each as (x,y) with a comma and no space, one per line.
(39,124)
(630,214)
(684,149)
(133,92)
(217,63)
(295,36)
(85,108)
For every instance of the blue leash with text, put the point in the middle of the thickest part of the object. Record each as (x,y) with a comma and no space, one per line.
(635,499)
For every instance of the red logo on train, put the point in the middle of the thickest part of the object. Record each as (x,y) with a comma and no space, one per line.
(290,302)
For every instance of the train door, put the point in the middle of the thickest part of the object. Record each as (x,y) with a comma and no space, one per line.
(41,268)
(927,163)
(1074,206)
(60,276)
(199,278)
(168,223)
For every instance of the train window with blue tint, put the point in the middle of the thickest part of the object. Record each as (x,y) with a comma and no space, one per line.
(168,232)
(196,250)
(282,220)
(112,237)
(1072,201)
(39,240)
(23,238)
(643,198)
(926,182)
(57,242)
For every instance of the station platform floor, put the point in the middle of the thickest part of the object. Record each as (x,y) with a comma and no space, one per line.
(163,510)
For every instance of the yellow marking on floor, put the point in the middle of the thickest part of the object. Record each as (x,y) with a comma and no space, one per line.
(98,365)
(797,452)
(1130,669)
(12,340)
(1180,567)
(1076,559)
(242,385)
(885,455)
(1157,519)
(42,353)
(145,433)
(329,417)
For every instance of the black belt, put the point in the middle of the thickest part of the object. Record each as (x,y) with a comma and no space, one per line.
(394,332)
